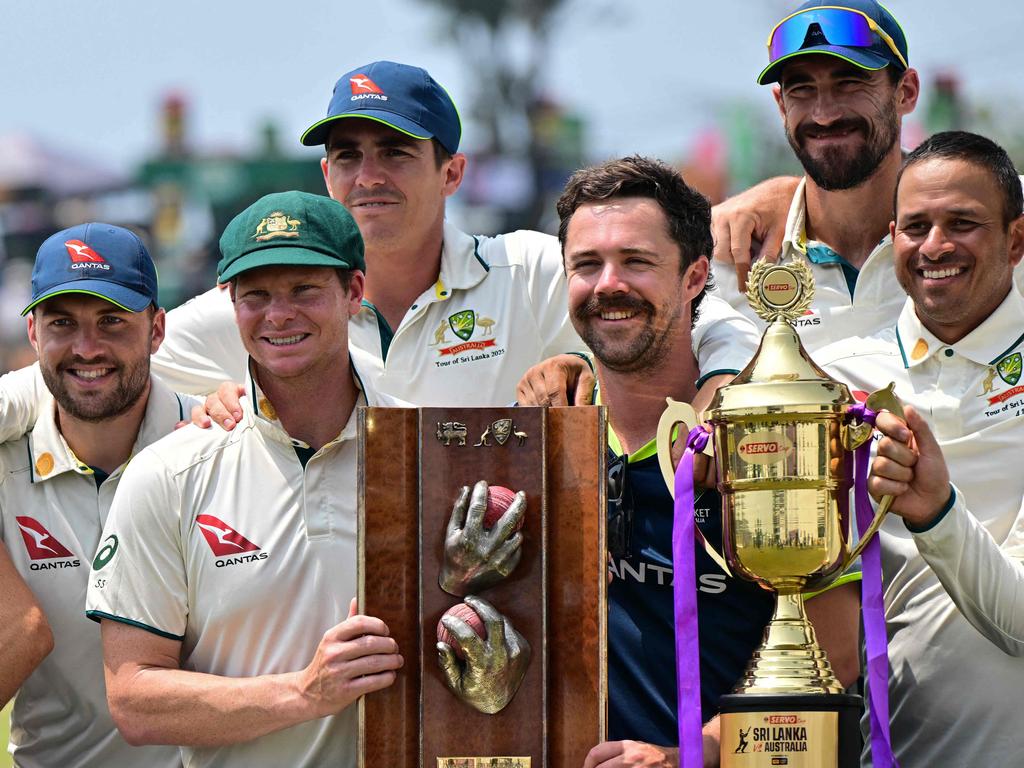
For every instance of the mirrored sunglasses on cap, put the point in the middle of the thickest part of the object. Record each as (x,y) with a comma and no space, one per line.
(840,26)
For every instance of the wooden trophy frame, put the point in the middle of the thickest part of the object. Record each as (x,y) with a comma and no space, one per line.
(412,464)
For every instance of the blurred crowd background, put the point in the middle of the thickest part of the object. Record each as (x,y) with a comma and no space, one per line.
(170,118)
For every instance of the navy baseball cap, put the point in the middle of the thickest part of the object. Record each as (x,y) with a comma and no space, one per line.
(405,98)
(98,260)
(862,32)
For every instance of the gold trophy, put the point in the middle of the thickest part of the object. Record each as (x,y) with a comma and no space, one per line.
(783,445)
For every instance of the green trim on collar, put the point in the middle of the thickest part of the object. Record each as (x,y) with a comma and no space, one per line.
(646,451)
(649,448)
(386,334)
(899,343)
(254,389)
(476,252)
(822,254)
(1008,350)
(98,615)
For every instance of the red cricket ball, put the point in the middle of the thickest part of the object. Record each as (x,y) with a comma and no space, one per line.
(468,615)
(499,499)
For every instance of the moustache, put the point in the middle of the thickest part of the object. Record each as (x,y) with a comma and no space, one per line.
(595,305)
(833,129)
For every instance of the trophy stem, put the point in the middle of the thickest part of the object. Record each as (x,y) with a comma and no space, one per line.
(789,659)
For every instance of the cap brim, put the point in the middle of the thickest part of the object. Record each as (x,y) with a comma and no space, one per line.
(861,57)
(317,133)
(282,256)
(118,295)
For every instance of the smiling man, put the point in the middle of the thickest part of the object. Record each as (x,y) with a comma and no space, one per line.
(635,240)
(955,355)
(845,131)
(842,86)
(228,609)
(447,318)
(94,322)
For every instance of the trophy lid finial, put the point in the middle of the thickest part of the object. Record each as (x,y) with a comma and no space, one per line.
(780,290)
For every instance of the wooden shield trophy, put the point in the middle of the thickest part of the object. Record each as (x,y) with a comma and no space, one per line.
(527,687)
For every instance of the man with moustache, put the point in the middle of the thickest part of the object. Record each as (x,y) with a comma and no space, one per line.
(952,615)
(635,239)
(448,318)
(224,608)
(844,127)
(94,322)
(843,84)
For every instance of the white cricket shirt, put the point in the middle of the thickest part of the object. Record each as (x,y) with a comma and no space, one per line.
(847,302)
(225,542)
(498,307)
(944,673)
(51,517)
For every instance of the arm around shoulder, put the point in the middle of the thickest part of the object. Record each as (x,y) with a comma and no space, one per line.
(21,393)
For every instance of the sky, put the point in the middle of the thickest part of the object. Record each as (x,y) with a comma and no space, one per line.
(87,76)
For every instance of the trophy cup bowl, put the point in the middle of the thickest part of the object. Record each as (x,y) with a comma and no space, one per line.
(783,439)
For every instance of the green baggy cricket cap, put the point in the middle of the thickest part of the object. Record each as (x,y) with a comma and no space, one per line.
(291,228)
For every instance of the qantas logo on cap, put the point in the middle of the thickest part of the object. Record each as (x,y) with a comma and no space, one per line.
(84,257)
(364,88)
(42,546)
(80,252)
(362,84)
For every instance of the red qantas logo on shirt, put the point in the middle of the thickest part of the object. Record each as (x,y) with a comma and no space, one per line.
(222,538)
(362,84)
(40,542)
(80,252)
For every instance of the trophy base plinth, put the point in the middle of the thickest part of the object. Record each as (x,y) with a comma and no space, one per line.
(798,731)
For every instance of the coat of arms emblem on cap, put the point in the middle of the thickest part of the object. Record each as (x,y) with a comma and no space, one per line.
(277,224)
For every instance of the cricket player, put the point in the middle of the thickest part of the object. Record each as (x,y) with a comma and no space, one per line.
(227,609)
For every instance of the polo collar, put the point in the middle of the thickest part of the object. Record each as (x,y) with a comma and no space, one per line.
(259,412)
(997,336)
(462,265)
(796,233)
(52,456)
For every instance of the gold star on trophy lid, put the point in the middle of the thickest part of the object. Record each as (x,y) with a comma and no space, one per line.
(780,290)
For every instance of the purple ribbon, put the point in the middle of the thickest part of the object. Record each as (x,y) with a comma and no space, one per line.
(684,588)
(873,607)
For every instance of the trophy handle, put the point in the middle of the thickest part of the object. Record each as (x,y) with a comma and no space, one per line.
(880,400)
(680,413)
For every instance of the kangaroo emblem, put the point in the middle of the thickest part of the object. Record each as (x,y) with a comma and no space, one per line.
(484,437)
(986,384)
(439,334)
